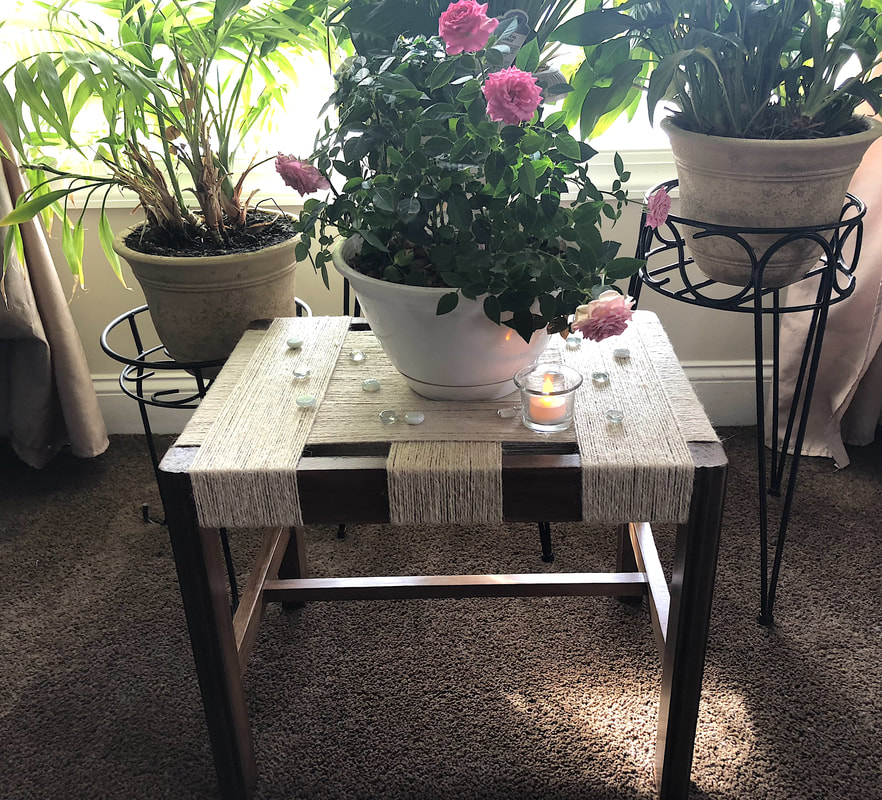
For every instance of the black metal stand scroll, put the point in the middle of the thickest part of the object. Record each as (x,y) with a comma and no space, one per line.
(148,363)
(680,279)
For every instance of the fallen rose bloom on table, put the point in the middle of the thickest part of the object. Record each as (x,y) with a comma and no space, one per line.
(606,316)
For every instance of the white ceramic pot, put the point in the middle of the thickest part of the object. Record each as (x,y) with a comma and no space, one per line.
(762,183)
(201,306)
(457,356)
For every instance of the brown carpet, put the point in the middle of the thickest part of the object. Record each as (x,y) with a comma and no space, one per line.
(510,699)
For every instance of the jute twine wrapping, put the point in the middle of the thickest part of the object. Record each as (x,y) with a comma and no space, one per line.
(640,467)
(448,468)
(439,483)
(245,471)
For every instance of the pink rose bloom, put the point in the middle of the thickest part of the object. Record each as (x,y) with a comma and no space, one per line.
(658,208)
(465,27)
(512,96)
(606,316)
(299,175)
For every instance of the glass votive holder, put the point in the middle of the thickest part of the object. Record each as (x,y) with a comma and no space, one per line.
(548,394)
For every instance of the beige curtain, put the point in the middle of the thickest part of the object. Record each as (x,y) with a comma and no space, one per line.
(47,400)
(847,401)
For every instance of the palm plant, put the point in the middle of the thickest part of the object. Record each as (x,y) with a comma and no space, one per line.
(177,85)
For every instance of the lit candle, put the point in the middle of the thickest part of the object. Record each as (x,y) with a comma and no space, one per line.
(545,408)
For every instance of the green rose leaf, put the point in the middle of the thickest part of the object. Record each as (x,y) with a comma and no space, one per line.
(494,167)
(527,178)
(459,212)
(408,209)
(527,58)
(447,303)
(492,309)
(442,74)
(568,146)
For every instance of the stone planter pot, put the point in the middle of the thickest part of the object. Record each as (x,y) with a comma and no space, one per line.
(457,356)
(762,183)
(201,306)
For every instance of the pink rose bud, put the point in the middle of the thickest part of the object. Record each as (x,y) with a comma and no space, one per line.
(606,316)
(299,175)
(512,96)
(465,27)
(658,208)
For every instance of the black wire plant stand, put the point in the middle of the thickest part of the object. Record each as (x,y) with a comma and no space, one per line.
(145,364)
(671,272)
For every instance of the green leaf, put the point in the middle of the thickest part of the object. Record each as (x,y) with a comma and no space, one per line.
(407,209)
(372,239)
(492,308)
(30,208)
(412,139)
(105,236)
(442,74)
(459,212)
(52,91)
(568,146)
(447,303)
(224,9)
(548,306)
(477,110)
(555,120)
(622,268)
(494,167)
(301,251)
(549,203)
(72,247)
(527,178)
(532,142)
(592,28)
(384,200)
(527,58)
(9,118)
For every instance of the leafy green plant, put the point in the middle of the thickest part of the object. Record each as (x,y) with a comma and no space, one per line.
(176,85)
(444,196)
(743,68)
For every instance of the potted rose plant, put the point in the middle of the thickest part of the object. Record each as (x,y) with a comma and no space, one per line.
(466,221)
(176,85)
(764,129)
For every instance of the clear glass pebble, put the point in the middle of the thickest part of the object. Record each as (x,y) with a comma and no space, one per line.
(615,415)
(294,343)
(509,412)
(388,416)
(599,378)
(301,373)
(574,342)
(305,400)
(414,418)
(621,352)
(371,385)
(357,356)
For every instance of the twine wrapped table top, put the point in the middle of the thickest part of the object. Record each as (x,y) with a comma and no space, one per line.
(252,435)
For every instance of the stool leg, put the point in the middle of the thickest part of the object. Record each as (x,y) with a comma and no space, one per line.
(200,568)
(692,587)
(626,561)
(545,541)
(294,562)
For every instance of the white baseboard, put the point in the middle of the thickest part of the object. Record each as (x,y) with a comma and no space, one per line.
(725,388)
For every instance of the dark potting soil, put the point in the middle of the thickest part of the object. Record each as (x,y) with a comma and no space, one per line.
(262,229)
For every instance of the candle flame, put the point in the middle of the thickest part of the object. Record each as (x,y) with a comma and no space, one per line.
(547,385)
